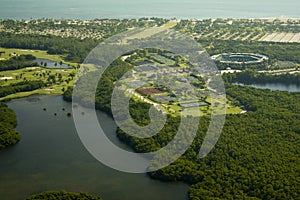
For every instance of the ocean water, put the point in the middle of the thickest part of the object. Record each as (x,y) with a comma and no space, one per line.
(180,9)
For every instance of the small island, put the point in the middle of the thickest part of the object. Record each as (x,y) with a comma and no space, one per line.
(62,195)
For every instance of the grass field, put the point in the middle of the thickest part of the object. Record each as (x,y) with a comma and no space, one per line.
(64,77)
(150,31)
(36,53)
(63,80)
(207,110)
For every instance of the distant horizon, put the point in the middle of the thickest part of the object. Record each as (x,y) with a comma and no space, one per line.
(131,9)
(149,17)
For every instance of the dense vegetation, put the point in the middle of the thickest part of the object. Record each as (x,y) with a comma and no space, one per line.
(72,38)
(74,49)
(8,121)
(62,195)
(105,86)
(250,77)
(18,62)
(238,25)
(96,29)
(255,157)
(24,86)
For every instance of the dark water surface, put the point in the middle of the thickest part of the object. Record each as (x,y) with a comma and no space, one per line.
(51,64)
(50,156)
(276,86)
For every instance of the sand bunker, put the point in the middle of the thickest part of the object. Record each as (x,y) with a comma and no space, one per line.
(6,78)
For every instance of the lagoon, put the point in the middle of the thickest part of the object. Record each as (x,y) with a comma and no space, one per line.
(50,156)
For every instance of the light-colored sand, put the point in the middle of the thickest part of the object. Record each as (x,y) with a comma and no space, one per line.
(32,67)
(229,71)
(6,78)
(123,58)
(27,50)
(294,72)
(271,19)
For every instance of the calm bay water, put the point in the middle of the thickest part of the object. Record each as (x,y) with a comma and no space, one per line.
(91,9)
(50,156)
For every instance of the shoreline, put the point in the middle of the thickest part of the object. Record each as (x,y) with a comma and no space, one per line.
(149,17)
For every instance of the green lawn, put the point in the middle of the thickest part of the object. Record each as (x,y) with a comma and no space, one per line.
(62,76)
(36,53)
(37,73)
(170,24)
